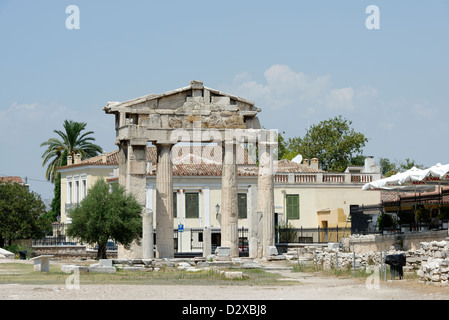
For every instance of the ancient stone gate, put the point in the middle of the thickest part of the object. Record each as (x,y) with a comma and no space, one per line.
(194,114)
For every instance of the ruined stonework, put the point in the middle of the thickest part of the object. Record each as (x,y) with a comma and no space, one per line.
(191,114)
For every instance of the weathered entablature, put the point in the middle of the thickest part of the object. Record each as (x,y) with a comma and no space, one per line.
(155,116)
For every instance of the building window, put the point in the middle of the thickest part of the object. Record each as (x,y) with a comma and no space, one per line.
(69,192)
(83,191)
(77,191)
(292,206)
(175,204)
(243,205)
(192,205)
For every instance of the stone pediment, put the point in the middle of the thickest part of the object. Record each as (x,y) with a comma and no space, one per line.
(181,108)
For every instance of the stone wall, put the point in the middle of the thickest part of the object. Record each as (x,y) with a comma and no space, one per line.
(403,241)
(330,258)
(430,261)
(435,263)
(68,252)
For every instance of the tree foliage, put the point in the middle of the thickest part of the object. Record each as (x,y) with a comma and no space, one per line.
(333,142)
(284,151)
(104,215)
(72,141)
(21,213)
(385,221)
(389,168)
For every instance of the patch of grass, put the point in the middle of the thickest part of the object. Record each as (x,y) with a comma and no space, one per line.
(347,272)
(25,274)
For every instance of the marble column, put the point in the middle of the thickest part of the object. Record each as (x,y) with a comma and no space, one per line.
(207,241)
(265,198)
(253,222)
(229,200)
(164,202)
(147,234)
(132,175)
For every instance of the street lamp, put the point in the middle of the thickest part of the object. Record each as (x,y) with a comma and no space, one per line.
(218,215)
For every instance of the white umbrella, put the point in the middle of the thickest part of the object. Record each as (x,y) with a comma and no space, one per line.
(407,181)
(437,174)
(413,176)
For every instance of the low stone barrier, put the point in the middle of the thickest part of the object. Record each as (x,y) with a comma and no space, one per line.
(69,252)
(147,265)
(430,261)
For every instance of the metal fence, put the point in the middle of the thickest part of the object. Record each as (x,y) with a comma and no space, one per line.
(196,239)
(283,235)
(311,235)
(59,237)
(364,221)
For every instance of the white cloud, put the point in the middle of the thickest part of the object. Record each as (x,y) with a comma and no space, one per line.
(340,99)
(387,125)
(284,88)
(15,107)
(422,109)
(31,122)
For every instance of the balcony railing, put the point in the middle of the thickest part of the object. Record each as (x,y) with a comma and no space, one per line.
(326,178)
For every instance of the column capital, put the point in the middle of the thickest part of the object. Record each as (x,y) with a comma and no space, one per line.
(164,143)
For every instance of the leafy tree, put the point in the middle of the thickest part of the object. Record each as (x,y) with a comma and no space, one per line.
(408,164)
(387,167)
(55,205)
(21,213)
(283,149)
(385,221)
(422,214)
(72,142)
(333,142)
(104,215)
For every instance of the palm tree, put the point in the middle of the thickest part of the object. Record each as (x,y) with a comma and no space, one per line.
(72,142)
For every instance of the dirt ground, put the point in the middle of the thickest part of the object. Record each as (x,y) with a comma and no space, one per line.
(308,286)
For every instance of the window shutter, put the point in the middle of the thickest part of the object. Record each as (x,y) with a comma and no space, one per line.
(192,206)
(243,205)
(292,206)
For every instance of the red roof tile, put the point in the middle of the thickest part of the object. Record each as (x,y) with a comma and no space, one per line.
(11,179)
(199,161)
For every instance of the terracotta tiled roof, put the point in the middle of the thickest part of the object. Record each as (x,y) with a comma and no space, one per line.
(180,155)
(11,179)
(200,161)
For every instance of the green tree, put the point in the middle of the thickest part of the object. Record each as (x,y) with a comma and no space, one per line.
(283,149)
(72,141)
(387,167)
(21,213)
(385,221)
(422,214)
(408,164)
(333,142)
(104,215)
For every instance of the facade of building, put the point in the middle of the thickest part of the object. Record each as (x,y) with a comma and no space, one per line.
(304,195)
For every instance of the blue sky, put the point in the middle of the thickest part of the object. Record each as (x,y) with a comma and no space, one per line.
(300,61)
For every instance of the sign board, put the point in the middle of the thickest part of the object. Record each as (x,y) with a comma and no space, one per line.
(180,228)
